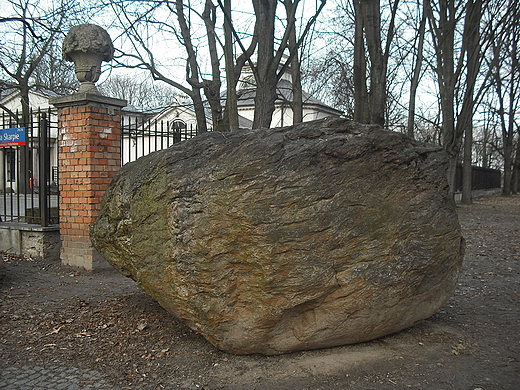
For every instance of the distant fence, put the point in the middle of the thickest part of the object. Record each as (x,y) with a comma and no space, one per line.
(28,168)
(140,138)
(481,178)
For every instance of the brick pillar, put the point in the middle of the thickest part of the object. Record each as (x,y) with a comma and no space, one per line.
(89,157)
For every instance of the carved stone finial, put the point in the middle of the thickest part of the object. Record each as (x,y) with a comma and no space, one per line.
(87,45)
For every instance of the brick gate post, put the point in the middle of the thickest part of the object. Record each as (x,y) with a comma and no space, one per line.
(89,156)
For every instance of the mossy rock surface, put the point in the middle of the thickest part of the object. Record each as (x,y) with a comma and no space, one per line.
(272,241)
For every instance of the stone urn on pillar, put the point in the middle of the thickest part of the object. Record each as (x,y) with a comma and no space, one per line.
(88,45)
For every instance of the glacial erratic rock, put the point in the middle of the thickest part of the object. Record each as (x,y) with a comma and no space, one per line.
(272,241)
(3,268)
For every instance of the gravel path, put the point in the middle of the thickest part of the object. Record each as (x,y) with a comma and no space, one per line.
(61,328)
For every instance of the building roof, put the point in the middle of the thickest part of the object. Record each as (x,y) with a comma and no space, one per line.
(185,107)
(246,98)
(12,100)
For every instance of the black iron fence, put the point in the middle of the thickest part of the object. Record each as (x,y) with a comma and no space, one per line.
(29,159)
(28,168)
(141,137)
(481,178)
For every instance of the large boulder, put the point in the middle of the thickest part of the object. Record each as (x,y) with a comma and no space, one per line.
(3,268)
(271,241)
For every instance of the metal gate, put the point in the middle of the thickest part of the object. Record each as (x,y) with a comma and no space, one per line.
(28,168)
(141,137)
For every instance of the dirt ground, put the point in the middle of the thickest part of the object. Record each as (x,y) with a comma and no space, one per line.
(59,316)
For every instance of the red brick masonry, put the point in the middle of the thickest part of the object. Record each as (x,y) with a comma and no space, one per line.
(89,157)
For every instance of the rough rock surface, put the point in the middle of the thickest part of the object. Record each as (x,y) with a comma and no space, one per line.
(3,269)
(272,241)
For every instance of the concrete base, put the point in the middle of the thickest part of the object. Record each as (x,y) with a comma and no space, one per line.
(479,193)
(79,252)
(30,240)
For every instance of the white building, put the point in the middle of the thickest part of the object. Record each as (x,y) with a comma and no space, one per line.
(313,109)
(10,157)
(145,132)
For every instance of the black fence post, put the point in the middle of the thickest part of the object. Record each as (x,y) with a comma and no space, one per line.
(44,170)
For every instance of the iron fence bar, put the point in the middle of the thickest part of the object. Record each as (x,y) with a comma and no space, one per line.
(130,130)
(162,135)
(129,127)
(145,135)
(155,133)
(20,168)
(26,170)
(169,126)
(29,181)
(4,181)
(44,156)
(149,138)
(137,131)
(4,175)
(136,149)
(141,138)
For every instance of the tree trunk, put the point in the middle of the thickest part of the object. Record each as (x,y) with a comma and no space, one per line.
(466,166)
(266,69)
(212,87)
(507,129)
(231,112)
(507,138)
(416,75)
(192,70)
(485,140)
(377,94)
(264,100)
(370,107)
(443,34)
(516,167)
(452,176)
(513,87)
(297,103)
(508,149)
(296,81)
(359,68)
(471,45)
(450,141)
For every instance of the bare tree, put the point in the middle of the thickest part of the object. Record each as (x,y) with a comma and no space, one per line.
(142,21)
(212,87)
(506,81)
(471,48)
(361,108)
(372,82)
(444,18)
(297,92)
(269,67)
(330,79)
(329,73)
(53,74)
(371,103)
(192,67)
(515,177)
(138,90)
(414,84)
(27,49)
(233,66)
